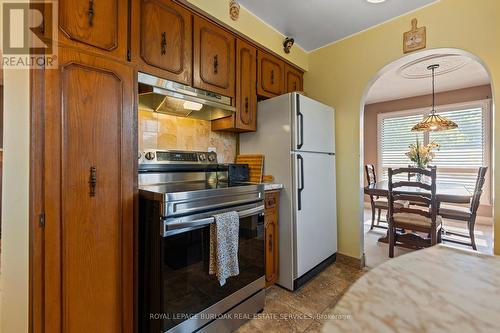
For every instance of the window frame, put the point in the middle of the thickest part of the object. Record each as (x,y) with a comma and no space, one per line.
(484,104)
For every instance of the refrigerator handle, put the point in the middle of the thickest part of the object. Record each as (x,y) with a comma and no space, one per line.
(300,125)
(301,185)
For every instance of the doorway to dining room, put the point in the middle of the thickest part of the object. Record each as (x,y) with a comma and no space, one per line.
(396,100)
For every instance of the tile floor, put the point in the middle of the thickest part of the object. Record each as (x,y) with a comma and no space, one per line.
(376,253)
(308,308)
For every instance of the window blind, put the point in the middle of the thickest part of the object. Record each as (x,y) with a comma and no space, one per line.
(462,151)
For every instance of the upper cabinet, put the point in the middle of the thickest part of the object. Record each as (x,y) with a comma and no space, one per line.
(271,73)
(98,26)
(245,118)
(214,54)
(166,40)
(293,79)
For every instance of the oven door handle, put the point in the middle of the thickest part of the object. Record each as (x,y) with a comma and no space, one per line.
(174,228)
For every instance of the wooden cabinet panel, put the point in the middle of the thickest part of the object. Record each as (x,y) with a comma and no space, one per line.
(245,118)
(89,199)
(293,79)
(166,39)
(270,75)
(95,25)
(214,53)
(271,217)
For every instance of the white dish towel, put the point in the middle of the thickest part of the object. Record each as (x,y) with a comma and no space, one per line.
(224,246)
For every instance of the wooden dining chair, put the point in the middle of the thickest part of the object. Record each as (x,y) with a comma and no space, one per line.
(377,203)
(425,221)
(466,214)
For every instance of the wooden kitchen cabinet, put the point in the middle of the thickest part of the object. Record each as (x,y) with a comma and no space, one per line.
(245,118)
(293,79)
(97,26)
(271,202)
(164,39)
(214,58)
(271,74)
(88,231)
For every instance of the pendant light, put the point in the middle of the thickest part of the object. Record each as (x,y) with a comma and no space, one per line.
(434,122)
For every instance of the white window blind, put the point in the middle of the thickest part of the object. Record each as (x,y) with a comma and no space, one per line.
(462,151)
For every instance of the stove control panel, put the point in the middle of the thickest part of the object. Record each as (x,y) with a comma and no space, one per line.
(177,157)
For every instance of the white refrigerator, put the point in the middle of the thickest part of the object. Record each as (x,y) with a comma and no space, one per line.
(296,135)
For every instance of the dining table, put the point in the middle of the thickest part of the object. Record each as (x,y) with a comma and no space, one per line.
(445,192)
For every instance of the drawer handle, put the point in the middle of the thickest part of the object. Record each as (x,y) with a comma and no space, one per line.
(90,12)
(92,180)
(272,76)
(163,43)
(216,64)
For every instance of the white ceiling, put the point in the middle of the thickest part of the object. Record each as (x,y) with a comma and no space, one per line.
(410,79)
(315,23)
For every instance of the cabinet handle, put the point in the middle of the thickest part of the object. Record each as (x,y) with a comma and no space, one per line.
(90,12)
(246,104)
(163,43)
(216,64)
(92,180)
(295,86)
(272,76)
(270,243)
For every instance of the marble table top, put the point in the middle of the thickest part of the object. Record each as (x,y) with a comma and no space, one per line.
(439,289)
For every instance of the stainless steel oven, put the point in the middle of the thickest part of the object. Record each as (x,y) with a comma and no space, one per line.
(176,292)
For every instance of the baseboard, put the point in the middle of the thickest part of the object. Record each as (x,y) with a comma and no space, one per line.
(350,261)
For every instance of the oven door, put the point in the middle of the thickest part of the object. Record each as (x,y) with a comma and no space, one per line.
(178,293)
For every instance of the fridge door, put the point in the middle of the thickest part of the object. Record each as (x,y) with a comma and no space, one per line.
(315,210)
(313,125)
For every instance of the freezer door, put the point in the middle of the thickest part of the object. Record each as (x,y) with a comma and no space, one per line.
(313,125)
(315,210)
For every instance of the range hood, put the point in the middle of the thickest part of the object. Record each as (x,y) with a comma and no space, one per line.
(176,99)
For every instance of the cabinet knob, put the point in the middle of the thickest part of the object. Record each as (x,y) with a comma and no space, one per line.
(163,43)
(216,64)
(92,180)
(90,12)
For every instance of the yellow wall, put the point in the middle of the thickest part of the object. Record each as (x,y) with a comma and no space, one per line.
(253,27)
(339,74)
(15,203)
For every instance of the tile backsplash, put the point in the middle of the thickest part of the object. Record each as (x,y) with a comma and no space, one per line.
(161,131)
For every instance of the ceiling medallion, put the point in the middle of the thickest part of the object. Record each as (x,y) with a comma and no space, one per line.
(415,39)
(418,69)
(234,9)
(434,122)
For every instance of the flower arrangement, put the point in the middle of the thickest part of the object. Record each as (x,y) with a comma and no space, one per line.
(422,155)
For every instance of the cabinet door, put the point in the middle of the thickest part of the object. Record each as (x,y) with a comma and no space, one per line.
(166,39)
(270,75)
(96,25)
(293,79)
(245,118)
(271,255)
(89,195)
(214,53)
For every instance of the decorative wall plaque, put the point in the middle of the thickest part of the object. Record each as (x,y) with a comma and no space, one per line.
(415,39)
(234,9)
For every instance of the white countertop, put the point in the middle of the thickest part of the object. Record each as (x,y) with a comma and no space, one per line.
(439,289)
(272,186)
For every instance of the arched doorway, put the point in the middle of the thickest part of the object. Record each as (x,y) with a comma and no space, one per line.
(401,87)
